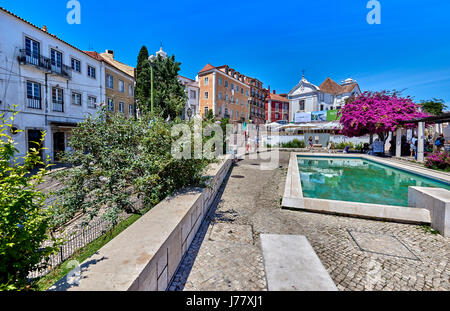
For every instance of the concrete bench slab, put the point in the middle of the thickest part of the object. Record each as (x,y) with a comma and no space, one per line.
(291,264)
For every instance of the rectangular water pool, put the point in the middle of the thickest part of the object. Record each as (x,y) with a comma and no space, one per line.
(358,180)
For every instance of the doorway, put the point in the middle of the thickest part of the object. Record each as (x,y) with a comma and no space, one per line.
(59,145)
(34,141)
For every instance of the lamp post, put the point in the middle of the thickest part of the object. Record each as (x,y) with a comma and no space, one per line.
(189,113)
(152,60)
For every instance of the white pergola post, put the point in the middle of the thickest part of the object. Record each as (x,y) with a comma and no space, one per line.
(421,142)
(398,143)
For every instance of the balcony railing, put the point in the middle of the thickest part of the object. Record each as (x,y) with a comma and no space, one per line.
(58,105)
(34,103)
(44,63)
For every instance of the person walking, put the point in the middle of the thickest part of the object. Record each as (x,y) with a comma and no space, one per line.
(310,142)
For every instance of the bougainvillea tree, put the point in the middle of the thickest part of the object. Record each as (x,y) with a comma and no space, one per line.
(377,113)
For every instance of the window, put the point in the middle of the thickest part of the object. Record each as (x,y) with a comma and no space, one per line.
(109,81)
(76,99)
(231,113)
(110,104)
(206,81)
(206,95)
(130,90)
(226,84)
(237,114)
(322,107)
(121,86)
(242,91)
(206,110)
(237,88)
(220,81)
(92,102)
(76,65)
(91,72)
(33,51)
(226,97)
(130,110)
(246,93)
(220,95)
(33,95)
(58,99)
(302,105)
(193,94)
(121,107)
(232,86)
(56,60)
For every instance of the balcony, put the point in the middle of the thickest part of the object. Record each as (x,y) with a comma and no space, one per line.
(58,105)
(34,103)
(44,63)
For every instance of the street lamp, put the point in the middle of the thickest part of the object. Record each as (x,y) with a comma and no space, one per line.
(152,59)
(189,113)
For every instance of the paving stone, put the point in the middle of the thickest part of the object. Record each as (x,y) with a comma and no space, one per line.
(254,202)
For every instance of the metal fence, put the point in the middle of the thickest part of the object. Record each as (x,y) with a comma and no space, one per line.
(74,243)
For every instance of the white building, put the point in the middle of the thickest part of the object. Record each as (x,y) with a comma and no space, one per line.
(192,88)
(307,97)
(54,84)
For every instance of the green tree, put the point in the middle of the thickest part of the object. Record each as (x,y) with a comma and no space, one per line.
(142,90)
(434,106)
(24,220)
(170,95)
(119,161)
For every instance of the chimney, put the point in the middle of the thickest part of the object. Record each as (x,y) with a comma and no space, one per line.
(44,28)
(274,92)
(110,52)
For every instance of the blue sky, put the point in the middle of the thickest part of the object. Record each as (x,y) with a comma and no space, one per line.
(271,40)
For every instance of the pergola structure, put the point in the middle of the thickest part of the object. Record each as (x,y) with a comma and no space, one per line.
(442,118)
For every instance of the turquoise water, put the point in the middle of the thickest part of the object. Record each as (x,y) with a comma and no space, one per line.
(358,180)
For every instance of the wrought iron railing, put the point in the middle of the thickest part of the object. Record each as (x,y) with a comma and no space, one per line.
(34,103)
(27,57)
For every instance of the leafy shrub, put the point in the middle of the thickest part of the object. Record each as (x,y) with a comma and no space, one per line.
(296,143)
(343,145)
(438,160)
(118,161)
(24,221)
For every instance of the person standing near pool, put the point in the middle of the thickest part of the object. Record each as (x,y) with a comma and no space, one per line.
(310,142)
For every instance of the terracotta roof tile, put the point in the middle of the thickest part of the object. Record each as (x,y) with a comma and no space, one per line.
(330,87)
(46,32)
(278,98)
(207,68)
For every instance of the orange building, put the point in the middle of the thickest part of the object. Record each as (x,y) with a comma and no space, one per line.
(224,91)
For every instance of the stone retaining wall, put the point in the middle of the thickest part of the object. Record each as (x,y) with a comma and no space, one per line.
(146,255)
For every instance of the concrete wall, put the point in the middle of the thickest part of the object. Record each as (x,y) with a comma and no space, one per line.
(146,255)
(437,201)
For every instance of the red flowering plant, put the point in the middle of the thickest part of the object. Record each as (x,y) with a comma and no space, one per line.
(438,160)
(377,113)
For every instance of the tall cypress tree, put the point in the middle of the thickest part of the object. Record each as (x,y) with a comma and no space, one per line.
(142,90)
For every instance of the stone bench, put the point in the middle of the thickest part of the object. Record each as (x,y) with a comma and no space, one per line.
(291,264)
(437,201)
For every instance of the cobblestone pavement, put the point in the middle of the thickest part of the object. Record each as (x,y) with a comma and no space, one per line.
(226,255)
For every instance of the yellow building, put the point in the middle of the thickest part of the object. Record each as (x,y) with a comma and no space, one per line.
(119,83)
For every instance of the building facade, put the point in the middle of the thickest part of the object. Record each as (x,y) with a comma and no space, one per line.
(307,97)
(119,81)
(257,111)
(224,91)
(193,93)
(53,84)
(277,107)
